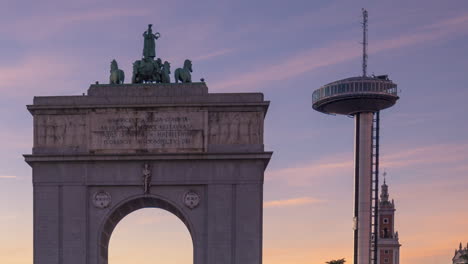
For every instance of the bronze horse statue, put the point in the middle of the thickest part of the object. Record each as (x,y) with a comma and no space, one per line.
(184,75)
(165,73)
(117,76)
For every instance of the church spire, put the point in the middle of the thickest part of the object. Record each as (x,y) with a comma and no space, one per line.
(388,242)
(384,192)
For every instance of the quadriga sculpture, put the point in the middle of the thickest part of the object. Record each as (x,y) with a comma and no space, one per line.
(117,76)
(147,70)
(184,74)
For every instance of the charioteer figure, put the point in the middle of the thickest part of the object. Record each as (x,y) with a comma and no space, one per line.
(152,70)
(149,46)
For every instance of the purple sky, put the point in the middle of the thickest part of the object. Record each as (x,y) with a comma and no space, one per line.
(285,49)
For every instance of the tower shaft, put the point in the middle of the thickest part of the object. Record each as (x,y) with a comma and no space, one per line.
(363,183)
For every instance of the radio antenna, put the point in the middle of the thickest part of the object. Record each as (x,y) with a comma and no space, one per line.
(364,42)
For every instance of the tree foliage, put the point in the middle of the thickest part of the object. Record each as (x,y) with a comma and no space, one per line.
(336,261)
(464,257)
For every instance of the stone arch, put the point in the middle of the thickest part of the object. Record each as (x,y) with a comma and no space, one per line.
(130,205)
(218,150)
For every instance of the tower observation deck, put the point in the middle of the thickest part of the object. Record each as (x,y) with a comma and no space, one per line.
(362,98)
(355,95)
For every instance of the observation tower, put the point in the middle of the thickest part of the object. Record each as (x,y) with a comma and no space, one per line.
(362,98)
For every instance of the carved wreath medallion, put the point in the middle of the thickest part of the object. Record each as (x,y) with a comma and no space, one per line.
(191,199)
(102,199)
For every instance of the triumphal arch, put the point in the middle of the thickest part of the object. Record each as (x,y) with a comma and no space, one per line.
(121,147)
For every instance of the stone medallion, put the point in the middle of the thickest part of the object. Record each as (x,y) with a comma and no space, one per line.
(191,199)
(102,199)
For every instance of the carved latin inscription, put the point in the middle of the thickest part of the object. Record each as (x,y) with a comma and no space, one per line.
(149,131)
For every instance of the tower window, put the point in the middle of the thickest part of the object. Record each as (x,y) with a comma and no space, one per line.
(386,251)
(385,260)
(385,220)
(385,233)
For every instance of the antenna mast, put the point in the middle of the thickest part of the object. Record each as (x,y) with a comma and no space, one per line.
(364,42)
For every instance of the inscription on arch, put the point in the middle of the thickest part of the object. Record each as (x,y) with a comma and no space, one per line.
(163,131)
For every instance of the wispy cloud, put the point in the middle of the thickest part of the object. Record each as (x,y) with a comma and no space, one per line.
(292,202)
(450,22)
(308,173)
(213,54)
(7,177)
(414,233)
(339,52)
(24,76)
(51,24)
(15,141)
(296,65)
(454,159)
(8,217)
(437,154)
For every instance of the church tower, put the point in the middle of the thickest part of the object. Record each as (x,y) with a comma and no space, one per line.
(388,245)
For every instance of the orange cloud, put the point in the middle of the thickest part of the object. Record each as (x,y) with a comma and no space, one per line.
(7,177)
(291,202)
(307,253)
(444,230)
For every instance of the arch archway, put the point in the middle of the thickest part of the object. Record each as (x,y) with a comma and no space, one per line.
(127,207)
(149,236)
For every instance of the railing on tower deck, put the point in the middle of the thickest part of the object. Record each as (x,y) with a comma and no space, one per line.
(355,86)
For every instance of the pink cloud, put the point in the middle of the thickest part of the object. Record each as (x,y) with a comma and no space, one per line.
(291,202)
(339,52)
(427,155)
(53,24)
(448,157)
(14,143)
(213,54)
(24,76)
(7,177)
(296,65)
(308,173)
(455,22)
(176,49)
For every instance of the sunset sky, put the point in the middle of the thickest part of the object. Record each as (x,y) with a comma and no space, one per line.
(284,49)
